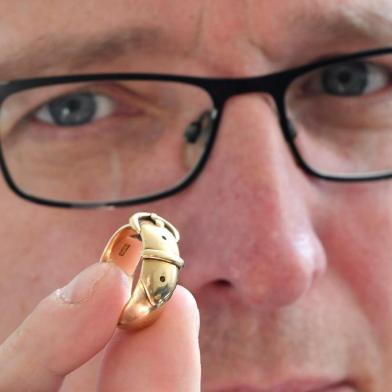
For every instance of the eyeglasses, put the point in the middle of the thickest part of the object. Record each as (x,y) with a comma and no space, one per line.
(101,140)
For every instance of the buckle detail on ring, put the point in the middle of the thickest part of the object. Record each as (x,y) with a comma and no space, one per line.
(134,222)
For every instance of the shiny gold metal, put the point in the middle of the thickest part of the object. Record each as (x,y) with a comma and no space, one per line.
(153,240)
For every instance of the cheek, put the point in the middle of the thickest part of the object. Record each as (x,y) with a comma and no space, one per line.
(357,240)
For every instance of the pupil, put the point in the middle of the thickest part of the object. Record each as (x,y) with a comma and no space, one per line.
(74,105)
(345,79)
(73,109)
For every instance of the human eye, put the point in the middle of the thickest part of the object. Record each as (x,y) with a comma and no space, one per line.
(349,79)
(75,109)
(88,140)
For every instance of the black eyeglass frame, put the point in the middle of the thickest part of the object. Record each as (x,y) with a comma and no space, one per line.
(220,90)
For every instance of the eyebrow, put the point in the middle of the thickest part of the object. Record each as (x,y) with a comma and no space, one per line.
(75,51)
(336,30)
(365,21)
(369,19)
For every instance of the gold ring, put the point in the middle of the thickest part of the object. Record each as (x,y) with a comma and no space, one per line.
(152,240)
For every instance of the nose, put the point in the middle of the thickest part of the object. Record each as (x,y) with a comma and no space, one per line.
(248,224)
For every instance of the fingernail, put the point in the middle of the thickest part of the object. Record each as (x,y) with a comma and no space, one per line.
(81,287)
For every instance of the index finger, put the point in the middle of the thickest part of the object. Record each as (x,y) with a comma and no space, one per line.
(163,357)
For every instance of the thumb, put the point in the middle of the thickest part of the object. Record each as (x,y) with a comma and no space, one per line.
(64,331)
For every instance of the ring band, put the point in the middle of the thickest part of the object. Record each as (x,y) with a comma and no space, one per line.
(152,240)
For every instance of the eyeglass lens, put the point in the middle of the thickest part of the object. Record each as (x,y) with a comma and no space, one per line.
(341,115)
(104,140)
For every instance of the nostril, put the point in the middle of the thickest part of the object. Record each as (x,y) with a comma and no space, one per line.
(223,283)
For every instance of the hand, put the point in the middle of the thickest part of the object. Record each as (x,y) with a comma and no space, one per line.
(74,323)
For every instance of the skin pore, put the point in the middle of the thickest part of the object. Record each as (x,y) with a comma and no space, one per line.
(291,274)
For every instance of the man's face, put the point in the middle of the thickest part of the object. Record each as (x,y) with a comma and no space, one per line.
(291,274)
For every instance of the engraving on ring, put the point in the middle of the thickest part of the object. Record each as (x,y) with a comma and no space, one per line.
(124,249)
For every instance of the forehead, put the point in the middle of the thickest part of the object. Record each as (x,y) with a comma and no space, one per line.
(278,31)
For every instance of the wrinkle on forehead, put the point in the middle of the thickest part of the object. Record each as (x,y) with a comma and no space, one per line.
(210,14)
(199,28)
(229,36)
(223,35)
